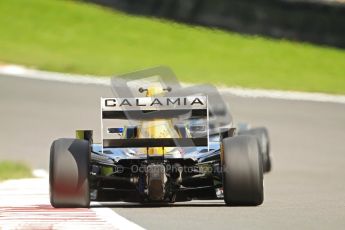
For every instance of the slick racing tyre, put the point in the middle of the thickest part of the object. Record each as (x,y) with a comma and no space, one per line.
(242,171)
(69,173)
(262,137)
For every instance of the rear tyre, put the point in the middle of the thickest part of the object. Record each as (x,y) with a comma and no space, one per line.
(69,173)
(263,140)
(242,171)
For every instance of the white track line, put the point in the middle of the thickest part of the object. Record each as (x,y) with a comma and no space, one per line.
(19,71)
(24,204)
(40,173)
(115,219)
(284,95)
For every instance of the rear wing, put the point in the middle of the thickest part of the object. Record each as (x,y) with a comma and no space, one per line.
(151,108)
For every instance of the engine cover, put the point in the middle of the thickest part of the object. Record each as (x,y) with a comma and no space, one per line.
(156,179)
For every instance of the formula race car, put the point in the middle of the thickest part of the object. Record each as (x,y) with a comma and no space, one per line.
(159,149)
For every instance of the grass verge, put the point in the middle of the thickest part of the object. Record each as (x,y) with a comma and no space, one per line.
(14,170)
(70,36)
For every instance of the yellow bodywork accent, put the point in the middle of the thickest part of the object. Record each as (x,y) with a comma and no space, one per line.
(157,129)
(160,128)
(79,134)
(154,91)
(106,171)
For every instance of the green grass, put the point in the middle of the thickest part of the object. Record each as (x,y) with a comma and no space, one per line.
(14,170)
(75,37)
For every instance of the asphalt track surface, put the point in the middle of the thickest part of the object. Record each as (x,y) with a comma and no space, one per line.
(305,190)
